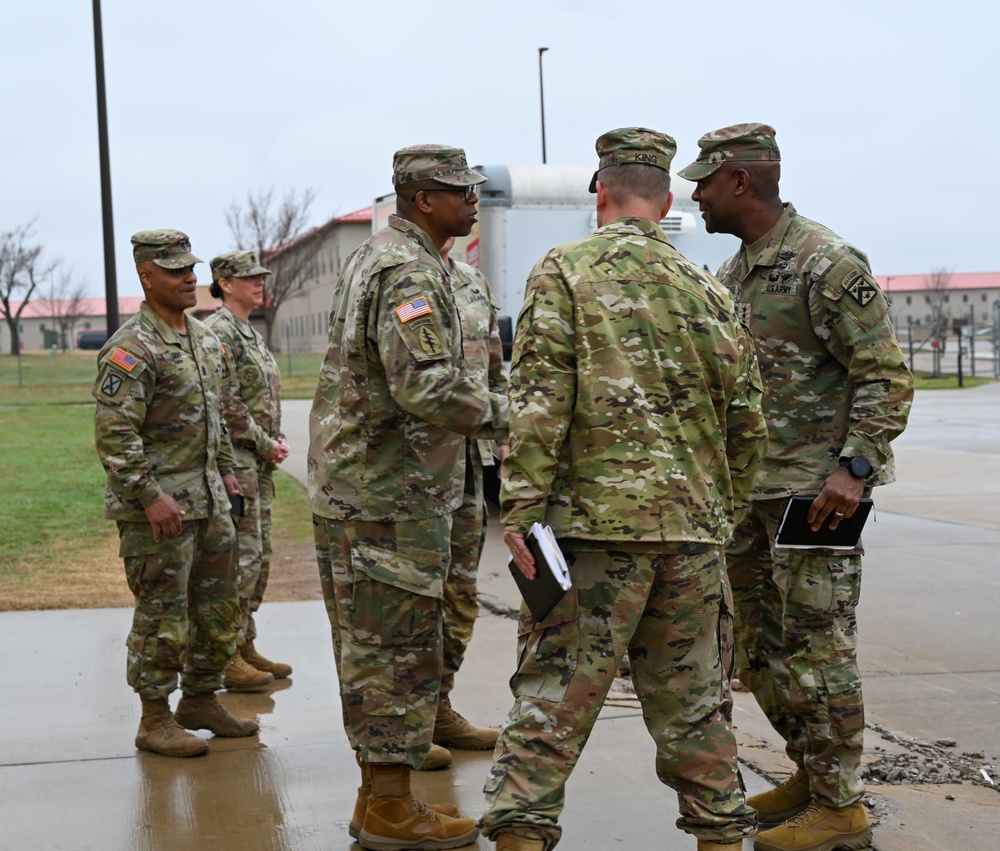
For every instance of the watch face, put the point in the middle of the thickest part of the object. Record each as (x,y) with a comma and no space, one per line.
(860,468)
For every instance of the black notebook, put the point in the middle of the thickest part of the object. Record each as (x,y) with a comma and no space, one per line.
(491,482)
(552,578)
(795,532)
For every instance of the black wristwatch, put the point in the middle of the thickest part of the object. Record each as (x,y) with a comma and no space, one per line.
(857,466)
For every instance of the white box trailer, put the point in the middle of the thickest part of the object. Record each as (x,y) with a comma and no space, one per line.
(524,210)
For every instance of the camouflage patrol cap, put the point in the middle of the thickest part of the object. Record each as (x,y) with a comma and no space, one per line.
(738,143)
(433,162)
(237,264)
(170,249)
(634,146)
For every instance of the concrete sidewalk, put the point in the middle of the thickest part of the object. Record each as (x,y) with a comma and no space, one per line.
(70,777)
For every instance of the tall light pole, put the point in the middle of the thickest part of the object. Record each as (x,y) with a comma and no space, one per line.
(541,94)
(110,278)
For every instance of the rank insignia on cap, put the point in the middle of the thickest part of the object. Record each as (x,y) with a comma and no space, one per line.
(861,290)
(124,360)
(413,309)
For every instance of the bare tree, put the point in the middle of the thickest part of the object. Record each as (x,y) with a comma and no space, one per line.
(21,271)
(64,297)
(938,283)
(277,232)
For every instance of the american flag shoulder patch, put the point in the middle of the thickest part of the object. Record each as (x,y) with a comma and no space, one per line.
(123,359)
(413,309)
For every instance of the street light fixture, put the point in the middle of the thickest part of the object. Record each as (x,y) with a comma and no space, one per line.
(541,94)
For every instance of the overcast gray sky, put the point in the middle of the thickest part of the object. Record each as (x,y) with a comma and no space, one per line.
(885,111)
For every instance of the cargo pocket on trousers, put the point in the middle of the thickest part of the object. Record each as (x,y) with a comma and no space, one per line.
(547,651)
(396,601)
(843,700)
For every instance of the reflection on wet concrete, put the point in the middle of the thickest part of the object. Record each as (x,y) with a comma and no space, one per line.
(71,779)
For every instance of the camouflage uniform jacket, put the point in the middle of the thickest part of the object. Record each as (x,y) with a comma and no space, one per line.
(835,380)
(396,401)
(635,395)
(159,419)
(482,350)
(251,389)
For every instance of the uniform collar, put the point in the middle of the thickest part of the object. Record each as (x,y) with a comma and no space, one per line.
(242,325)
(168,334)
(419,234)
(764,252)
(637,226)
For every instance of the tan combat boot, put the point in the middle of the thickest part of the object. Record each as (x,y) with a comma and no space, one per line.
(819,828)
(395,820)
(453,731)
(160,733)
(437,757)
(364,793)
(509,842)
(784,801)
(204,712)
(278,670)
(242,676)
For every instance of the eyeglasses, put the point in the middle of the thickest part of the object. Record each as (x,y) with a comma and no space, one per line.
(467,191)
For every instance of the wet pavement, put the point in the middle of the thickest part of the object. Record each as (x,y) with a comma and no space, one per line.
(70,777)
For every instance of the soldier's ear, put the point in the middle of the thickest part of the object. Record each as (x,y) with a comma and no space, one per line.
(667,206)
(740,181)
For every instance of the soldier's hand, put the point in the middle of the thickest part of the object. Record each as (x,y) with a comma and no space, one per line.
(278,453)
(523,558)
(232,484)
(164,516)
(837,500)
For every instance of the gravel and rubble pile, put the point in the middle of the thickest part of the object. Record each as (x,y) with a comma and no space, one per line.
(925,763)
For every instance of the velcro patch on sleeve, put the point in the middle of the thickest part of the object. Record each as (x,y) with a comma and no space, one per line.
(412,309)
(121,358)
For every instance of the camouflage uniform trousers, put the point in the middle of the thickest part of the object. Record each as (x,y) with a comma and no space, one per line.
(383,585)
(796,646)
(186,606)
(253,533)
(671,612)
(461,602)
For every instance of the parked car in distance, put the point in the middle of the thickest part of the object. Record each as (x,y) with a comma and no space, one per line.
(93,338)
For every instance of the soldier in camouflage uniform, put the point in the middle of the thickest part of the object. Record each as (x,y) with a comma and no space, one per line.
(482,351)
(169,462)
(836,392)
(252,408)
(393,411)
(636,432)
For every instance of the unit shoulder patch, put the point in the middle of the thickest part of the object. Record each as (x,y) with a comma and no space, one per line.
(112,383)
(860,287)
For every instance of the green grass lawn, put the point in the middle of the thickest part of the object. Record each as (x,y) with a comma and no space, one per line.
(53,482)
(38,378)
(56,548)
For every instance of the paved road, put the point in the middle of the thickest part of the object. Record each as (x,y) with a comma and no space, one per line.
(70,778)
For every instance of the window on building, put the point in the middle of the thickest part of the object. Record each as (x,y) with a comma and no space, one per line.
(947,298)
(927,299)
(909,299)
(965,298)
(42,327)
(984,297)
